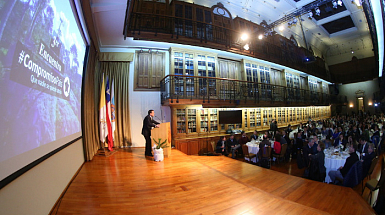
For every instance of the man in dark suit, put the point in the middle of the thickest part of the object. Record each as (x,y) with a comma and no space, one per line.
(342,171)
(305,134)
(363,147)
(254,135)
(221,146)
(148,124)
(367,158)
(340,140)
(307,150)
(232,145)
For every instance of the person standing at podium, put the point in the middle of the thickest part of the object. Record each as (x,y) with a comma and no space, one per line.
(148,124)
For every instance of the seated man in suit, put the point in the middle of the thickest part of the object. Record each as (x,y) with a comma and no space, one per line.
(342,171)
(367,158)
(307,150)
(221,146)
(233,145)
(340,140)
(254,135)
(265,142)
(243,140)
(363,147)
(319,159)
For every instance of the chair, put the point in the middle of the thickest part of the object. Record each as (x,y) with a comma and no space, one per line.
(353,177)
(265,153)
(282,154)
(214,146)
(373,184)
(370,171)
(246,153)
(376,140)
(374,163)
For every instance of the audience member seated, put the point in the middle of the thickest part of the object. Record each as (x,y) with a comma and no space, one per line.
(285,135)
(243,140)
(306,151)
(315,145)
(254,135)
(299,141)
(318,171)
(363,147)
(265,142)
(221,146)
(277,145)
(367,158)
(233,145)
(335,133)
(305,134)
(340,140)
(288,130)
(342,171)
(282,140)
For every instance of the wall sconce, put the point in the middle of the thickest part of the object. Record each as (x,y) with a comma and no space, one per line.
(351,105)
(370,103)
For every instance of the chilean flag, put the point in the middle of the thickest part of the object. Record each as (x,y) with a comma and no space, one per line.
(102,114)
(110,140)
(113,110)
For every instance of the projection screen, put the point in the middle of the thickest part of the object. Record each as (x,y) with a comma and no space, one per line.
(42,51)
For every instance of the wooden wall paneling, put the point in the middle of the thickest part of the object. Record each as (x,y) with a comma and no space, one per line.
(193,147)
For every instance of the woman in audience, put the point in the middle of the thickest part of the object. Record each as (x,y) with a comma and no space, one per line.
(277,144)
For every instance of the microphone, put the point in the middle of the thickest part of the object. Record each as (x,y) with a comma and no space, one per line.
(159,119)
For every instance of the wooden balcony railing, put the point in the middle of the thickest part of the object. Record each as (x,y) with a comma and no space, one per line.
(175,87)
(179,30)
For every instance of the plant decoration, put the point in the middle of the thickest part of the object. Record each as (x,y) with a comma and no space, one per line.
(160,144)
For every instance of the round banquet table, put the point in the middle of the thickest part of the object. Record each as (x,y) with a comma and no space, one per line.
(333,162)
(253,147)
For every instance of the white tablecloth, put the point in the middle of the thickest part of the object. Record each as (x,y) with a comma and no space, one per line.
(333,162)
(253,148)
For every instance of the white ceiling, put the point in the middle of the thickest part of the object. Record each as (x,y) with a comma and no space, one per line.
(109,17)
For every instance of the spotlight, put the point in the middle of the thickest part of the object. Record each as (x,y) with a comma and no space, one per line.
(375,104)
(334,4)
(246,47)
(310,14)
(317,11)
(244,37)
(352,52)
(339,2)
(260,37)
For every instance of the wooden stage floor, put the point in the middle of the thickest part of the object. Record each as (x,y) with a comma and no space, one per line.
(128,183)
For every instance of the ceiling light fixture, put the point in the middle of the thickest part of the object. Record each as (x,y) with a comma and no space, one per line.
(317,11)
(244,36)
(246,47)
(310,14)
(335,5)
(339,2)
(280,28)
